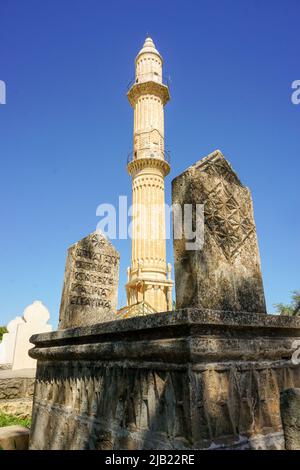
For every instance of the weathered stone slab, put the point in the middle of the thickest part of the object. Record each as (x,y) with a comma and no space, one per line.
(16,384)
(90,292)
(16,392)
(190,379)
(20,407)
(14,438)
(225,273)
(290,415)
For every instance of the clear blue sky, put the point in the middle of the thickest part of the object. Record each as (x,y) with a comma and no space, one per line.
(66,129)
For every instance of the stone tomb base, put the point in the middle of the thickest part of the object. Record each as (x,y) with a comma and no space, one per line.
(192,379)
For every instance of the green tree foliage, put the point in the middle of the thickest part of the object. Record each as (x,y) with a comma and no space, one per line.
(2,331)
(293,308)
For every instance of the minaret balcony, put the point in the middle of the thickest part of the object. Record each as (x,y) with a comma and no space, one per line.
(161,161)
(148,154)
(149,77)
(149,87)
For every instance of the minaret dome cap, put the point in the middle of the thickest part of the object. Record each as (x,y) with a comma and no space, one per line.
(148,47)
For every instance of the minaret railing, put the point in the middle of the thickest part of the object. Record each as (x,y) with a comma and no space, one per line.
(153,156)
(152,77)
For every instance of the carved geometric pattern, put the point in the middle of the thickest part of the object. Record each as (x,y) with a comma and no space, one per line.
(216,165)
(95,240)
(229,225)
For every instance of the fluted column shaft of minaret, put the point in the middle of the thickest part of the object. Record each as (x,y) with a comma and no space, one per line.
(148,114)
(148,225)
(148,279)
(149,126)
(148,66)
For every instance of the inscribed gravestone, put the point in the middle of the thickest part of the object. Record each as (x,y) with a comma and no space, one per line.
(225,273)
(90,290)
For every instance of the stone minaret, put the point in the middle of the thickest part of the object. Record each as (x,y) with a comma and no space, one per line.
(149,277)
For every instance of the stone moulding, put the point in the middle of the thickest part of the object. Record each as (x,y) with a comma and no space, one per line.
(191,379)
(139,164)
(145,88)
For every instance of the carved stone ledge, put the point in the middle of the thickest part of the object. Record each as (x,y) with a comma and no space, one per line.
(191,379)
(148,88)
(140,163)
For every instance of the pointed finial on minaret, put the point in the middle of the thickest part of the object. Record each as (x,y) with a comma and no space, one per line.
(149,46)
(149,42)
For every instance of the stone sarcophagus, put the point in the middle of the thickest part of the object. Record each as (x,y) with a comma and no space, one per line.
(191,379)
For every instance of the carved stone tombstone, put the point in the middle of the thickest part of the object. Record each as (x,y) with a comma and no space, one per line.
(225,273)
(90,292)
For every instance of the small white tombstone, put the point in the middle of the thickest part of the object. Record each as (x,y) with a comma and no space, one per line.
(7,346)
(35,317)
